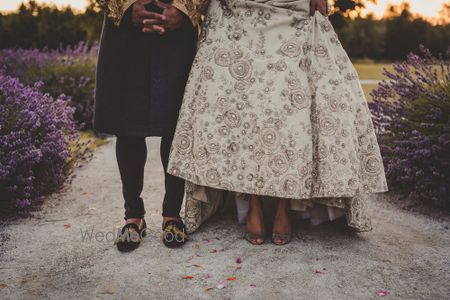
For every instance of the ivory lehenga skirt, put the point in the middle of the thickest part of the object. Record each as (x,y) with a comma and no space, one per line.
(274,107)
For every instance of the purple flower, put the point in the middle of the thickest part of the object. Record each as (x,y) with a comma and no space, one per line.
(411,112)
(69,71)
(35,132)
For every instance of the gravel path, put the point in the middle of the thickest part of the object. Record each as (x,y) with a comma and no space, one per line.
(46,257)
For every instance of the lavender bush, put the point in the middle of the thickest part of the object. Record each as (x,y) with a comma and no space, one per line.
(411,114)
(69,71)
(35,133)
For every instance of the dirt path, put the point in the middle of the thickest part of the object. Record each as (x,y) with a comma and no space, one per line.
(407,254)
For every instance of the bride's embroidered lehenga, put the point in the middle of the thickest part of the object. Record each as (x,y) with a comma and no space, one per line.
(274,107)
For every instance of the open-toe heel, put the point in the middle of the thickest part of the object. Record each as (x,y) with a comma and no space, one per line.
(253,238)
(281,239)
(284,238)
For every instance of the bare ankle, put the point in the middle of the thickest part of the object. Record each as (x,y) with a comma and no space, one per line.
(133,220)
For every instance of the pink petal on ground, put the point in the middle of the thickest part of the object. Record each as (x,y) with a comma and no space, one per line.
(382,293)
(222,285)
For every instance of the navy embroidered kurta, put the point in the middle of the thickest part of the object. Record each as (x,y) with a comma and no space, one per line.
(141,78)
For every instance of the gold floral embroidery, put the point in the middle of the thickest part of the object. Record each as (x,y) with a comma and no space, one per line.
(274,107)
(194,9)
(117,8)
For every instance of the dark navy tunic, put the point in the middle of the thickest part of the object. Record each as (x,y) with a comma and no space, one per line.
(141,79)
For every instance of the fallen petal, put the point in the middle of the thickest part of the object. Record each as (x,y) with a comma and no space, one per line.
(382,293)
(222,285)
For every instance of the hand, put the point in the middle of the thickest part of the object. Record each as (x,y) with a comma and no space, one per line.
(318,5)
(173,17)
(146,20)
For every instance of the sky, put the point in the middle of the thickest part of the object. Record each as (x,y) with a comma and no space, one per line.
(429,8)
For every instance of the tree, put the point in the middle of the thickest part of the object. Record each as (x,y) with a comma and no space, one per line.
(444,14)
(342,9)
(364,37)
(405,32)
(36,25)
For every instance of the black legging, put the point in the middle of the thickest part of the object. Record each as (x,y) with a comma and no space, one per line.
(131,153)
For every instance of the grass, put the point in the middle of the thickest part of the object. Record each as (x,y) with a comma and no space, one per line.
(83,148)
(370,71)
(95,141)
(368,88)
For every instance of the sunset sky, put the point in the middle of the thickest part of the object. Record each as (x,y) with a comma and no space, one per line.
(429,8)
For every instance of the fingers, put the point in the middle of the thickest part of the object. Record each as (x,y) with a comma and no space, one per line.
(162,5)
(151,22)
(145,14)
(141,17)
(322,6)
(152,25)
(153,29)
(318,5)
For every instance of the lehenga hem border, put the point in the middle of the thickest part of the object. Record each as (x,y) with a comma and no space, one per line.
(311,196)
